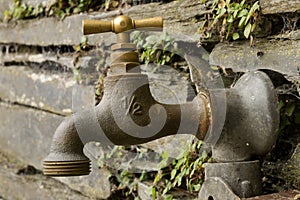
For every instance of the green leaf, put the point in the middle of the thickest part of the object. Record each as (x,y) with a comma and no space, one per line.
(253,9)
(242,22)
(168,197)
(235,13)
(297,118)
(153,193)
(179,163)
(284,122)
(228,31)
(290,109)
(242,13)
(235,36)
(281,104)
(173,173)
(247,30)
(242,3)
(230,19)
(197,187)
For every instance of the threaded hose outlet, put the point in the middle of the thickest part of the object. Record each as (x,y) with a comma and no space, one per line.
(67,168)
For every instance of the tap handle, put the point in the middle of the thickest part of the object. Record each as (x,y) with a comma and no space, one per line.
(119,24)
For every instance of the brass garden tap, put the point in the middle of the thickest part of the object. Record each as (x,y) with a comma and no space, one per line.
(127,114)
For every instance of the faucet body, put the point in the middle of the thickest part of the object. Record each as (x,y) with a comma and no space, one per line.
(128,114)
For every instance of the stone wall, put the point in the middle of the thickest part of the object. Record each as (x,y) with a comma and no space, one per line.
(38,88)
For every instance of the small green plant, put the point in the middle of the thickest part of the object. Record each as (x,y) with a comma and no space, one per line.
(60,9)
(158,49)
(83,46)
(230,19)
(21,10)
(289,112)
(185,172)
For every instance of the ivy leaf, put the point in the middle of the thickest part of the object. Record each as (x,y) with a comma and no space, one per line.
(173,174)
(242,3)
(297,118)
(242,13)
(253,9)
(235,36)
(230,19)
(281,104)
(153,193)
(241,22)
(247,30)
(290,109)
(197,187)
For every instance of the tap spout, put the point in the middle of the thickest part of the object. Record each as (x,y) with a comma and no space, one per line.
(126,115)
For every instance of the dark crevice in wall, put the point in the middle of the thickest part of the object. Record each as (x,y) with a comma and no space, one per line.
(21,48)
(46,66)
(10,103)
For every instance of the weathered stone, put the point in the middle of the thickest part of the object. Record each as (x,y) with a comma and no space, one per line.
(180,17)
(52,92)
(129,161)
(27,134)
(282,56)
(145,193)
(279,6)
(168,85)
(285,195)
(27,187)
(95,185)
(293,35)
(4,6)
(32,32)
(44,3)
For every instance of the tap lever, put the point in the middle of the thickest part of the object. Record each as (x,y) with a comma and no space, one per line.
(119,24)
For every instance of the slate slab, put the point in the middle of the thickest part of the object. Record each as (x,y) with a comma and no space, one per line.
(57,93)
(26,134)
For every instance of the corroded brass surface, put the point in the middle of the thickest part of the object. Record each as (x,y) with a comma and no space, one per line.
(119,24)
(123,46)
(66,168)
(124,56)
(121,125)
(127,113)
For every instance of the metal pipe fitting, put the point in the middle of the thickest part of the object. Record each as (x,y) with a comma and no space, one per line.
(250,130)
(252,119)
(127,115)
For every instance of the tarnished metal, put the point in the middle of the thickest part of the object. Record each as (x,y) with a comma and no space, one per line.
(125,56)
(119,24)
(123,128)
(243,179)
(252,119)
(127,113)
(215,188)
(250,130)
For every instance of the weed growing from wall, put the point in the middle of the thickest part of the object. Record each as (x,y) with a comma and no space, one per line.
(185,173)
(230,19)
(158,49)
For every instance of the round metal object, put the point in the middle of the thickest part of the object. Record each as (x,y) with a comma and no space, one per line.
(66,168)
